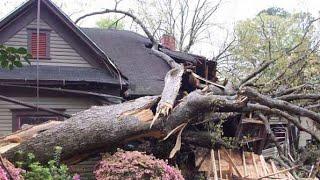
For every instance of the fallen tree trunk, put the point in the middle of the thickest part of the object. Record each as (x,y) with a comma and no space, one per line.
(105,127)
(97,127)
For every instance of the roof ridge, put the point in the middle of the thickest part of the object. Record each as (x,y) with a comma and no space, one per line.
(119,30)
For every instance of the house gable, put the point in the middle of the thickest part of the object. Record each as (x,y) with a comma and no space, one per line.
(60,51)
(64,28)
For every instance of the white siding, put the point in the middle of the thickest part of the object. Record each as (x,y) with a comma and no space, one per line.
(308,124)
(72,106)
(61,53)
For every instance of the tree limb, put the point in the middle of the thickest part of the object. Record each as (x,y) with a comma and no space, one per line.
(292,97)
(133,17)
(291,90)
(279,104)
(295,121)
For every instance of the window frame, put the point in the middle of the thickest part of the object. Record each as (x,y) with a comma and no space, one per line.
(16,113)
(30,31)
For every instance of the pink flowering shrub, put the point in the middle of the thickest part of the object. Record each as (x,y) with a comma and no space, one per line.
(14,172)
(3,174)
(135,165)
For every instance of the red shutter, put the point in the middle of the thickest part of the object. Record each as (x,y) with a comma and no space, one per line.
(42,45)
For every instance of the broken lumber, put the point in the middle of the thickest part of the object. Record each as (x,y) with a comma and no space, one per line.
(229,158)
(279,172)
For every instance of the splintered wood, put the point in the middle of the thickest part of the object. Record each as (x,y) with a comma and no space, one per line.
(20,136)
(232,164)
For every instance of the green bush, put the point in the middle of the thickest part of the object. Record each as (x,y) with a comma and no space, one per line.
(53,170)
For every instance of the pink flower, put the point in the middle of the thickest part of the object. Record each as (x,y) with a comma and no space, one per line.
(3,174)
(135,165)
(76,177)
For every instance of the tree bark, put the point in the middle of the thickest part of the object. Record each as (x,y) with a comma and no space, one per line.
(95,128)
(105,127)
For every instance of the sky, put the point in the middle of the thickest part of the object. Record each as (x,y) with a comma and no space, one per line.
(227,15)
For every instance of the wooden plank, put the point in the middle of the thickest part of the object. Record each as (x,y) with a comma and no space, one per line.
(219,161)
(213,165)
(279,172)
(244,164)
(263,165)
(18,40)
(250,120)
(273,167)
(64,53)
(266,165)
(233,163)
(255,164)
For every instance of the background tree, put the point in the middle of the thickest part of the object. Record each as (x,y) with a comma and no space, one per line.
(108,23)
(274,35)
(187,20)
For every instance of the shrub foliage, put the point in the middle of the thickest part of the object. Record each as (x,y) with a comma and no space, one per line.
(135,165)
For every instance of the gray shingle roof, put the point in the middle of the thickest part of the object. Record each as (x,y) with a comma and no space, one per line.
(128,50)
(58,73)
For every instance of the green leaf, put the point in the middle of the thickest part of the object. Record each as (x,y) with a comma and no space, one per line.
(3,52)
(17,63)
(3,57)
(22,51)
(11,49)
(4,63)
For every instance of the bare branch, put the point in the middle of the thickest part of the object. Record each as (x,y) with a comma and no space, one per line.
(292,97)
(291,90)
(256,72)
(224,50)
(133,17)
(279,104)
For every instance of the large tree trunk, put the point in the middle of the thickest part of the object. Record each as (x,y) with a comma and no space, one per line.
(95,128)
(105,127)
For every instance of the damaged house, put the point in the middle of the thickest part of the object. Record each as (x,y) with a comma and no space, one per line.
(78,67)
(74,68)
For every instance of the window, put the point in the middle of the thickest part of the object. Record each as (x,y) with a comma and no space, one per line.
(21,117)
(44,37)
